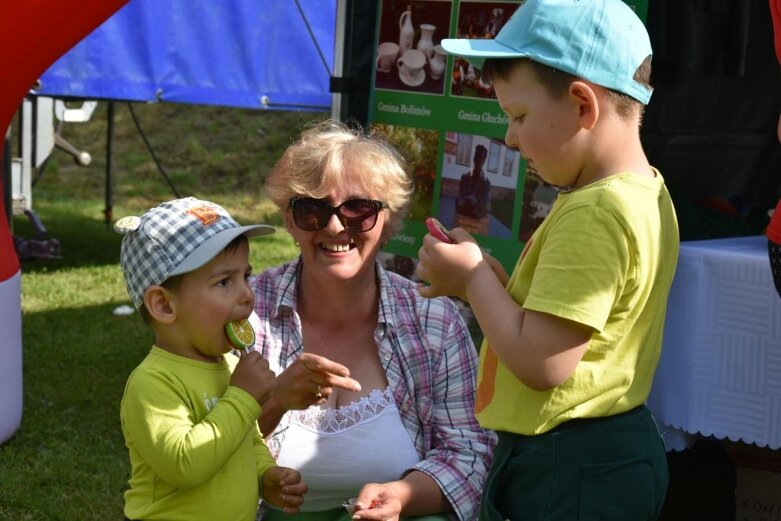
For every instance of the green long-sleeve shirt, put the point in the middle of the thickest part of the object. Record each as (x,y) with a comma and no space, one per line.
(195,449)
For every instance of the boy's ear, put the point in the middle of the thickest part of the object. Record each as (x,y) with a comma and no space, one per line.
(157,301)
(584,96)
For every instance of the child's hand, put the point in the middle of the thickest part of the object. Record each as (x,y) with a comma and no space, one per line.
(447,267)
(497,268)
(252,374)
(283,488)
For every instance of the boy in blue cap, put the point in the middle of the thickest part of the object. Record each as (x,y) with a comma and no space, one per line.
(573,337)
(190,409)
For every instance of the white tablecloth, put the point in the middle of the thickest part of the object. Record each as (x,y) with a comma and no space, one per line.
(720,369)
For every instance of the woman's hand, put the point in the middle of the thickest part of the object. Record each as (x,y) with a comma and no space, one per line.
(417,494)
(309,380)
(377,501)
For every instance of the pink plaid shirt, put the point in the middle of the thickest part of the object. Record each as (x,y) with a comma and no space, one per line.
(431,366)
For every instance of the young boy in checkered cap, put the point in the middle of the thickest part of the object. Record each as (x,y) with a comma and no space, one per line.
(189,412)
(573,337)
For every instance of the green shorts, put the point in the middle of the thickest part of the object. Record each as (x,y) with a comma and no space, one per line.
(603,469)
(337,514)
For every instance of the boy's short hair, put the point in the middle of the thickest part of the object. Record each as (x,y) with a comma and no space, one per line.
(174,238)
(602,41)
(556,82)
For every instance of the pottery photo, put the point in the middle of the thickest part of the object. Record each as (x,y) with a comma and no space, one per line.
(425,44)
(437,62)
(407,54)
(406,31)
(410,66)
(387,53)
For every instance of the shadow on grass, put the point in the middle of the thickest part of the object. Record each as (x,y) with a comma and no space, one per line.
(86,240)
(68,459)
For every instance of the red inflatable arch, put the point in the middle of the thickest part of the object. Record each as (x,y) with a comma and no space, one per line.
(33,34)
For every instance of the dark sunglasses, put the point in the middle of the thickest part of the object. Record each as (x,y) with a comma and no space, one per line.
(356,215)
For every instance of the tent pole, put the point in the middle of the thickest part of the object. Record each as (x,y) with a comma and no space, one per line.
(108,210)
(338,71)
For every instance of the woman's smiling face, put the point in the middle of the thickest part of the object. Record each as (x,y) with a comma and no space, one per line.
(334,251)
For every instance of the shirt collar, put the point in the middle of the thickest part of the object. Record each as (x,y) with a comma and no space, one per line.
(288,284)
(387,309)
(286,299)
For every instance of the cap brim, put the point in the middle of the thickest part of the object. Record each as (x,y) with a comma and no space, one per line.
(258,230)
(477,50)
(215,244)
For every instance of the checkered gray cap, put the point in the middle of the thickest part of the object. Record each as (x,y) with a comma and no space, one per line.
(176,237)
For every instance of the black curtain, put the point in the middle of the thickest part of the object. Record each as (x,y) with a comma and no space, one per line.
(358,59)
(710,127)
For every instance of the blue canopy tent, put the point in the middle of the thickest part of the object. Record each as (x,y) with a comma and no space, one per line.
(275,55)
(238,53)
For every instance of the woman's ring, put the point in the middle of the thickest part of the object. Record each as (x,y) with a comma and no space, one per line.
(319,394)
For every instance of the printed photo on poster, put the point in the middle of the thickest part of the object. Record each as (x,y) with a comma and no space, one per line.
(538,198)
(404,266)
(408,55)
(473,196)
(477,20)
(419,147)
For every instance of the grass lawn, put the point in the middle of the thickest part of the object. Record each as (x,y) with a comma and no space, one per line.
(68,460)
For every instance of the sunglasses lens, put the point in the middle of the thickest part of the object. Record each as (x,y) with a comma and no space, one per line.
(311,214)
(359,215)
(356,215)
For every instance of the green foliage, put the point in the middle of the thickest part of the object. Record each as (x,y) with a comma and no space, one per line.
(68,460)
(418,146)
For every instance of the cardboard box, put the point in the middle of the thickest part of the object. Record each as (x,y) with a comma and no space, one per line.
(757,495)
(758,485)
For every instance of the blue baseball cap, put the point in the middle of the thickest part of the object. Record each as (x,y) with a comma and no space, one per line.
(602,41)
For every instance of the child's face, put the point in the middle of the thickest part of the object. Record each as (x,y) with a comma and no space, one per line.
(210,297)
(540,126)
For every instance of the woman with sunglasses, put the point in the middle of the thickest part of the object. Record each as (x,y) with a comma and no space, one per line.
(376,385)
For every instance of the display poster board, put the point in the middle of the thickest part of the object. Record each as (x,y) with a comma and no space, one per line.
(444,117)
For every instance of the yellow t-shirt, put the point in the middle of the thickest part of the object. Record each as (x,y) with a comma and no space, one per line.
(604,257)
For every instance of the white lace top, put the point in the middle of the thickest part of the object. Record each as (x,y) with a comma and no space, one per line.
(338,451)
